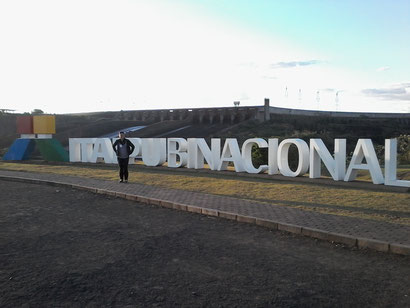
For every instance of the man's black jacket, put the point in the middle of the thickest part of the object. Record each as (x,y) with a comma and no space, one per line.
(130,146)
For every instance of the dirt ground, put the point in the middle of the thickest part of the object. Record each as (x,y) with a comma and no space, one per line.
(65,248)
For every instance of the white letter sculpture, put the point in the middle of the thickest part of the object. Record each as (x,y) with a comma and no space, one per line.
(154,151)
(103,149)
(177,149)
(390,164)
(364,149)
(273,156)
(194,152)
(231,153)
(319,152)
(137,151)
(198,151)
(82,149)
(74,148)
(247,155)
(283,153)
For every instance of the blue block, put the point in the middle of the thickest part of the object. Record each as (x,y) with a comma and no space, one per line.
(21,149)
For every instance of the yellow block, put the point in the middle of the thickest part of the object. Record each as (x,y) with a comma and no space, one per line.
(44,124)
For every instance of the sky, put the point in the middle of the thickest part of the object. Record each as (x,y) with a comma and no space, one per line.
(96,55)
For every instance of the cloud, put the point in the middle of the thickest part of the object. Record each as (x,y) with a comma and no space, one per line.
(292,64)
(383,68)
(399,92)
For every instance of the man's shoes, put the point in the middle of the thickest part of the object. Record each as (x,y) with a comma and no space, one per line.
(121,181)
(125,181)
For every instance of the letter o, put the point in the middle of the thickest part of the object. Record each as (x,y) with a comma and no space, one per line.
(283,154)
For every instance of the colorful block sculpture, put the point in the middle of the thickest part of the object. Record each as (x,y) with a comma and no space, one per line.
(44,124)
(51,150)
(36,131)
(25,125)
(21,149)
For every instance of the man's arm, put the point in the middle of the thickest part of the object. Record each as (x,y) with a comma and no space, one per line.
(131,145)
(114,146)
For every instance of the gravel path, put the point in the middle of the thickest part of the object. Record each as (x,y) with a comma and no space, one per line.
(61,247)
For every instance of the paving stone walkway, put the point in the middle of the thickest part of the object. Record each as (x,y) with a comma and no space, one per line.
(357,228)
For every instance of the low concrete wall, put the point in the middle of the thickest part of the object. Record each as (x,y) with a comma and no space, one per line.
(288,111)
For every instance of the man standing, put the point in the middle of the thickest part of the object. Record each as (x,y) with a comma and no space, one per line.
(123,148)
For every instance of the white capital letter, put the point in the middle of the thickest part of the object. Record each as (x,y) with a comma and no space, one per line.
(74,148)
(336,166)
(283,153)
(86,145)
(390,164)
(273,156)
(103,149)
(137,151)
(231,153)
(177,148)
(247,155)
(154,151)
(364,149)
(198,151)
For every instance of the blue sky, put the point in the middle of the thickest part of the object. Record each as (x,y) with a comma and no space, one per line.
(76,56)
(360,34)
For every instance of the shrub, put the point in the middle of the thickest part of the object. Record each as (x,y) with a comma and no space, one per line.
(403,149)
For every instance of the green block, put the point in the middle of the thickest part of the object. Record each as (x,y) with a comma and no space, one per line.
(51,150)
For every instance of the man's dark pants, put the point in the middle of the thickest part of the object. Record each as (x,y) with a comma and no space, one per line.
(123,163)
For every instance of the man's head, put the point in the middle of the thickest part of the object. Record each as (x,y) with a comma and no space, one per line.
(121,135)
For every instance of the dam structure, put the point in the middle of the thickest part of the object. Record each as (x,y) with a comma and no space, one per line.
(232,115)
(213,122)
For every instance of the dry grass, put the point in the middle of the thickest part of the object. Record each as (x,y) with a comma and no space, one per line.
(383,206)
(402,174)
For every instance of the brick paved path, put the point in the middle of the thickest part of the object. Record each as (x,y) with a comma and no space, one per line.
(354,227)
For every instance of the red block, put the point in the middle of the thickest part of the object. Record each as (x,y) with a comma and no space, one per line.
(25,125)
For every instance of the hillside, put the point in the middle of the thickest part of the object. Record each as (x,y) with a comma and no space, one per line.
(281,126)
(328,129)
(69,126)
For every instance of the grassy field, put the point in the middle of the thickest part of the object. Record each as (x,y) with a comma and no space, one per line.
(383,206)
